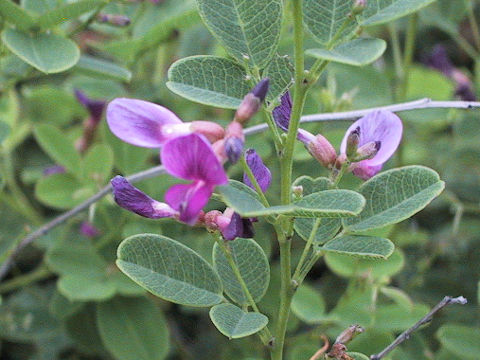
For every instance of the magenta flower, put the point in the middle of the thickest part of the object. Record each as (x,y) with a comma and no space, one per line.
(149,125)
(188,157)
(381,128)
(260,171)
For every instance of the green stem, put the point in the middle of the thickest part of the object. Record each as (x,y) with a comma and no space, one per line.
(90,20)
(408,53)
(264,334)
(306,250)
(286,295)
(337,175)
(464,44)
(397,52)
(473,24)
(277,140)
(40,273)
(254,181)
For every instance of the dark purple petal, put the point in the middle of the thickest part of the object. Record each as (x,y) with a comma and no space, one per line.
(189,200)
(234,149)
(141,123)
(260,171)
(87,229)
(238,227)
(55,169)
(191,157)
(281,114)
(94,107)
(132,199)
(260,90)
(365,171)
(439,60)
(383,126)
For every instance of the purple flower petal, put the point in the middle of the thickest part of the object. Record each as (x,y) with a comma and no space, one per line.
(189,200)
(260,171)
(439,60)
(132,199)
(94,107)
(87,229)
(381,125)
(191,157)
(233,148)
(54,169)
(281,114)
(238,227)
(141,123)
(364,171)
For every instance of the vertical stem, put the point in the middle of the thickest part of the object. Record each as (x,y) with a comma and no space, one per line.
(473,24)
(306,250)
(397,52)
(408,52)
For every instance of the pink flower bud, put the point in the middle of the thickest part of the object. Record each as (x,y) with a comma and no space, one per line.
(210,130)
(358,6)
(297,191)
(210,219)
(252,101)
(323,151)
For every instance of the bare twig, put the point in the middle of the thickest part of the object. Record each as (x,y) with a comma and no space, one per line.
(447,300)
(346,115)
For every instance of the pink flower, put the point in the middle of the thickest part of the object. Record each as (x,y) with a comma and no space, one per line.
(188,157)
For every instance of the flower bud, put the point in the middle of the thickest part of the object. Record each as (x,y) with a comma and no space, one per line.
(359,6)
(297,191)
(210,130)
(352,142)
(348,334)
(368,151)
(233,148)
(323,151)
(115,20)
(88,229)
(210,220)
(252,101)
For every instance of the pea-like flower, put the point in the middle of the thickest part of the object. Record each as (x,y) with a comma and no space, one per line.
(188,157)
(261,173)
(149,125)
(379,133)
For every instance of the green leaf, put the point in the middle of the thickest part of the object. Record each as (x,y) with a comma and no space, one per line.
(61,191)
(249,28)
(252,264)
(361,246)
(4,131)
(329,203)
(303,226)
(395,195)
(169,270)
(96,287)
(62,308)
(280,71)
(98,164)
(383,11)
(358,356)
(460,340)
(357,52)
(16,15)
(324,18)
(102,68)
(445,14)
(235,323)
(398,296)
(83,330)
(47,52)
(59,148)
(69,11)
(209,80)
(308,304)
(393,317)
(133,328)
(350,266)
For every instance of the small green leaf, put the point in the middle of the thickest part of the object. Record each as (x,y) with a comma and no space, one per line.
(382,11)
(393,317)
(357,52)
(69,11)
(308,304)
(361,246)
(357,267)
(252,264)
(249,28)
(395,195)
(280,71)
(62,308)
(169,270)
(96,287)
(102,68)
(234,323)
(329,203)
(398,296)
(47,52)
(460,340)
(209,80)
(98,164)
(16,15)
(324,18)
(61,191)
(59,148)
(133,328)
